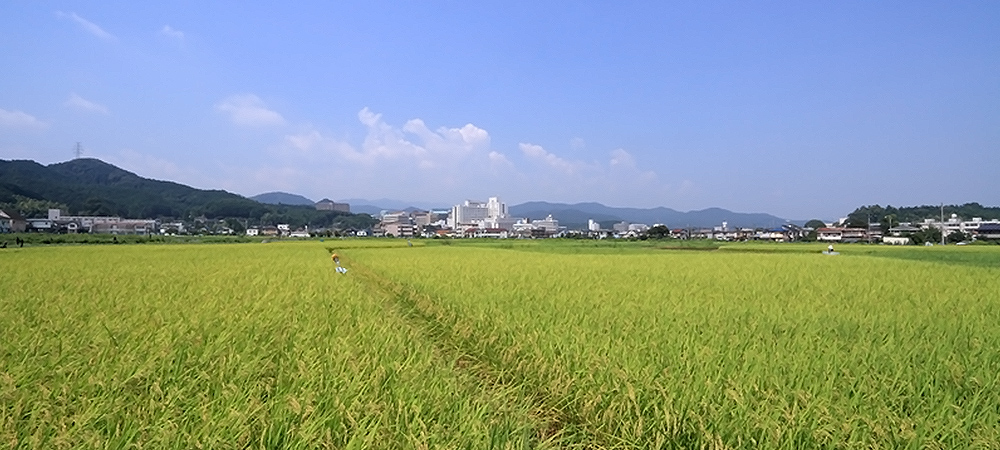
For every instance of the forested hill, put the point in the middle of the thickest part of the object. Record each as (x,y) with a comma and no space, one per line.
(87,186)
(919,213)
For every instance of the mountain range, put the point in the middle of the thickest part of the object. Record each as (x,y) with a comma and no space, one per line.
(578,215)
(91,186)
(87,186)
(283,198)
(571,215)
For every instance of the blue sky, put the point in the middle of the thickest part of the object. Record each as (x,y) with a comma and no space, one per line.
(799,109)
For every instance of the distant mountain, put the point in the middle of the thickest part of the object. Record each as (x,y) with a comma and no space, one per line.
(375,207)
(91,186)
(87,186)
(372,210)
(577,215)
(283,198)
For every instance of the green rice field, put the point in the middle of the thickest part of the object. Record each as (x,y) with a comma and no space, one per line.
(499,344)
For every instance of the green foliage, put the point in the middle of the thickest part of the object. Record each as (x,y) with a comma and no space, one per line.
(815,224)
(919,213)
(931,235)
(658,232)
(91,187)
(30,207)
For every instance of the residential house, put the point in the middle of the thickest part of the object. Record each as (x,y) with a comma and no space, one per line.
(12,222)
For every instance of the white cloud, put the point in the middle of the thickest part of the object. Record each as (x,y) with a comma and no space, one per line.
(87,25)
(413,160)
(498,159)
(577,143)
(409,160)
(538,153)
(249,110)
(169,32)
(414,143)
(621,158)
(20,120)
(79,103)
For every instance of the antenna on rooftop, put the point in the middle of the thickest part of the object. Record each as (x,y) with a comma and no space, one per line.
(78,151)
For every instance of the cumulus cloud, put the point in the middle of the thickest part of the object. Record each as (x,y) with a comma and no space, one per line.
(621,158)
(170,32)
(81,104)
(20,120)
(414,142)
(249,110)
(498,159)
(87,25)
(415,160)
(538,153)
(410,159)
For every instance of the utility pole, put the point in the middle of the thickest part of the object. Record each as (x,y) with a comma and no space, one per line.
(943,228)
(869,228)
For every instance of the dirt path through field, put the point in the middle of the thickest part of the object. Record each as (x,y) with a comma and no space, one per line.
(554,425)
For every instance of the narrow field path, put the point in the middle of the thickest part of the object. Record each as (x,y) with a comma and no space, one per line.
(555,426)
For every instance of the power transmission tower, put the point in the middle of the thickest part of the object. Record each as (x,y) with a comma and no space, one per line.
(78,151)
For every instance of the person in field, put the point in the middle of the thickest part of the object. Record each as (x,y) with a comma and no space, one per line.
(336,260)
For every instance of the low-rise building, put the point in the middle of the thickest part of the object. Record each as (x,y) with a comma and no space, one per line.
(989,230)
(12,222)
(398,229)
(42,226)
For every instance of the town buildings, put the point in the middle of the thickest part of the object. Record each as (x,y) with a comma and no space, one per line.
(100,224)
(492,219)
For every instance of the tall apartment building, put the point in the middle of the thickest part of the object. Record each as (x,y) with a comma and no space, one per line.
(469,213)
(492,214)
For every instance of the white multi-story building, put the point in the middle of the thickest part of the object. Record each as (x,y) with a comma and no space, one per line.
(549,224)
(593,226)
(496,209)
(640,227)
(468,214)
(472,214)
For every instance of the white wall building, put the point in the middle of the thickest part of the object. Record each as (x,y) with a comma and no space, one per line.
(492,214)
(468,214)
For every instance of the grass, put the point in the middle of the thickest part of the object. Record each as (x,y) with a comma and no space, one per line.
(730,349)
(208,346)
(513,344)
